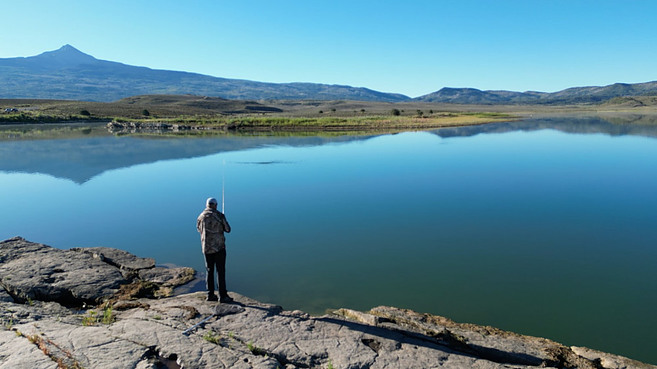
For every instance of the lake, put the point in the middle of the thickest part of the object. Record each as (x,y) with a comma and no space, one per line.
(544,227)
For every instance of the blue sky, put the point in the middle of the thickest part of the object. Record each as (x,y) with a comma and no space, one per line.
(411,47)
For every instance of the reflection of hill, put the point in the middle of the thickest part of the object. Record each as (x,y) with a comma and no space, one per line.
(81,159)
(620,125)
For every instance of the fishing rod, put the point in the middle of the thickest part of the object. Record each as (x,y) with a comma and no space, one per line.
(190,329)
(223,186)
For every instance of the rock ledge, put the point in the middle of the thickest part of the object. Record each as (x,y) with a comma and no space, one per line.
(82,315)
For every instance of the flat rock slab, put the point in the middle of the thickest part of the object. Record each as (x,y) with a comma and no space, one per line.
(228,309)
(249,329)
(18,247)
(169,277)
(250,334)
(5,297)
(17,352)
(118,258)
(40,272)
(36,272)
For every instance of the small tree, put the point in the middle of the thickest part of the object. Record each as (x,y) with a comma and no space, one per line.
(395,112)
(85,113)
(146,113)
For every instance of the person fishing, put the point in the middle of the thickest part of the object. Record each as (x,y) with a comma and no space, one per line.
(212,224)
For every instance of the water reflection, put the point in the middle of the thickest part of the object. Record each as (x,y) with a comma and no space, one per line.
(81,153)
(612,125)
(82,158)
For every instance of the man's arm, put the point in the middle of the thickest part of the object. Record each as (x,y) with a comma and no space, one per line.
(226,225)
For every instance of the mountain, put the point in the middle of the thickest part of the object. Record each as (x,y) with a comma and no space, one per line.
(68,73)
(575,95)
(474,96)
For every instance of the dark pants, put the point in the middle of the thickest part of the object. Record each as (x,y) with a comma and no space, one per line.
(217,260)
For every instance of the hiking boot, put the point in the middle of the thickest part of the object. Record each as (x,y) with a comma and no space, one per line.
(211,297)
(226,299)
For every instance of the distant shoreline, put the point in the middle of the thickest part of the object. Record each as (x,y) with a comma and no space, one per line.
(350,124)
(190,113)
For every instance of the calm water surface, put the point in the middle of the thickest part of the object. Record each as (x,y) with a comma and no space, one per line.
(543,227)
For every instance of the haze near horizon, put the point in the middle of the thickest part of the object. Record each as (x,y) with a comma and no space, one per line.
(413,48)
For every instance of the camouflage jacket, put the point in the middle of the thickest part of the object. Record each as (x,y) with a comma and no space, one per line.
(212,224)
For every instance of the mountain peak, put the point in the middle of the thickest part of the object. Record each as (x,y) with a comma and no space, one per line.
(68,49)
(66,55)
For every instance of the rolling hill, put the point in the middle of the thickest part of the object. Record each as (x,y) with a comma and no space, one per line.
(575,95)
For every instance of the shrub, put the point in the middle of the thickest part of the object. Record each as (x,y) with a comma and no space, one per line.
(93,318)
(211,337)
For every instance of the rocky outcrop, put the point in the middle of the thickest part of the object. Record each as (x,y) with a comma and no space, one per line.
(185,331)
(79,276)
(38,272)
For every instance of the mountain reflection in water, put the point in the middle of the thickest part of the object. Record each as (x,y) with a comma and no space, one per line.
(80,159)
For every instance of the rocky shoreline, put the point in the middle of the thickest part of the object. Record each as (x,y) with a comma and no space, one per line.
(137,127)
(106,308)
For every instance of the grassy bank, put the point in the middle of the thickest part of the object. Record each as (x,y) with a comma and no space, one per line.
(218,114)
(37,118)
(328,123)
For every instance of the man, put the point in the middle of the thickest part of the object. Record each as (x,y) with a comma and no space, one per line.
(212,224)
